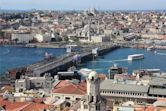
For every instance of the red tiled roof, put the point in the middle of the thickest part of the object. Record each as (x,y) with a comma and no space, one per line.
(161,99)
(62,84)
(23,106)
(150,108)
(36,107)
(38,100)
(71,89)
(102,76)
(12,106)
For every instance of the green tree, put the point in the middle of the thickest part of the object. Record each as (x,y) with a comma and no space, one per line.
(75,39)
(66,39)
(16,40)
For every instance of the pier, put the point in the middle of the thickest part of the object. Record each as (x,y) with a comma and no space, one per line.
(54,65)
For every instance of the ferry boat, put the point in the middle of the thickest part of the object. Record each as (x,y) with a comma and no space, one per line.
(135,57)
(31,46)
(152,70)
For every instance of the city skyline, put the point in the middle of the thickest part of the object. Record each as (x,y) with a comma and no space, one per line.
(83,5)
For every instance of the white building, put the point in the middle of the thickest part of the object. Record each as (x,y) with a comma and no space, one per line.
(42,38)
(100,38)
(27,83)
(22,37)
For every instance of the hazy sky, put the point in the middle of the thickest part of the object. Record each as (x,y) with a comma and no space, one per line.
(84,4)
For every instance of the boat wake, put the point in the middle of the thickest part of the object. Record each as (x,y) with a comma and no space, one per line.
(158,53)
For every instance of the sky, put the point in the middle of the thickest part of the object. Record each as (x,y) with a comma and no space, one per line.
(83,4)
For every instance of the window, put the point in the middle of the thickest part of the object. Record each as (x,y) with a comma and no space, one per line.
(67,98)
(20,90)
(97,107)
(85,106)
(38,83)
(91,99)
(77,98)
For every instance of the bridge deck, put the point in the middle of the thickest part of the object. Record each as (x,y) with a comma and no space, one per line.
(53,63)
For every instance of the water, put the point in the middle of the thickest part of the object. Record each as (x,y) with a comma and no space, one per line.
(119,57)
(11,57)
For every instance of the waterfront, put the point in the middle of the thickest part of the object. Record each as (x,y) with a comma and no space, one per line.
(11,57)
(119,57)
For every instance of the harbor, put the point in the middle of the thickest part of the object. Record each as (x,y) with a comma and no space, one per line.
(101,65)
(151,60)
(62,63)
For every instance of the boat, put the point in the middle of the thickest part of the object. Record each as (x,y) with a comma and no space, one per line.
(31,46)
(47,56)
(151,48)
(152,70)
(135,57)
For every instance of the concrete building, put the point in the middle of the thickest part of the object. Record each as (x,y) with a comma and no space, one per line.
(69,90)
(124,92)
(100,38)
(22,37)
(130,91)
(85,95)
(157,87)
(27,83)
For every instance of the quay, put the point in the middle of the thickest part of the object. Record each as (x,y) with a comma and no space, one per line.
(138,45)
(54,65)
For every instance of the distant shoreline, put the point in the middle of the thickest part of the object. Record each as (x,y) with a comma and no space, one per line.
(71,10)
(36,46)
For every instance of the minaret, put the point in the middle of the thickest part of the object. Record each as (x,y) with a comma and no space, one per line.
(89,28)
(98,27)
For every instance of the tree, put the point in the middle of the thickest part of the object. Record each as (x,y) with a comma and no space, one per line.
(16,40)
(66,39)
(33,41)
(58,39)
(75,39)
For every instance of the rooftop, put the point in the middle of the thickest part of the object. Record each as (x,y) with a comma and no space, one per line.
(157,91)
(24,106)
(67,87)
(109,85)
(158,82)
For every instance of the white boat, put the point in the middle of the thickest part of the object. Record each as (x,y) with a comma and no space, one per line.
(135,57)
(152,70)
